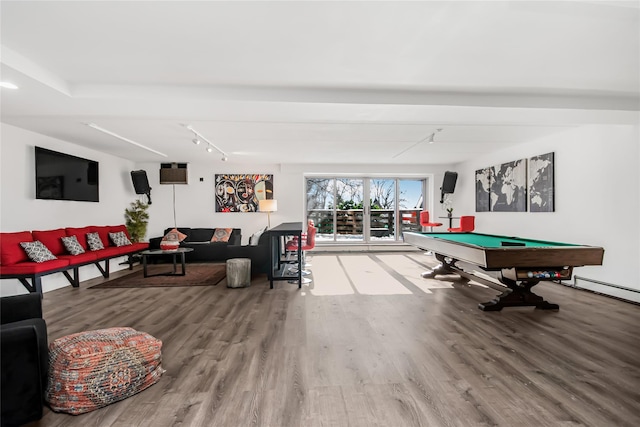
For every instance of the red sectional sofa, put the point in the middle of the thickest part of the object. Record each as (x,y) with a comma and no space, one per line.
(14,263)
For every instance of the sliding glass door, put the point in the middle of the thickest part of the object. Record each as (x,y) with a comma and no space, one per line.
(364,210)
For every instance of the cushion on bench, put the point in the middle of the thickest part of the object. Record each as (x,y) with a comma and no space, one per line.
(52,239)
(10,250)
(31,267)
(84,258)
(81,235)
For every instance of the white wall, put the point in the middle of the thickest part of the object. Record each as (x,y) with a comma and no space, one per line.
(195,201)
(20,210)
(597,197)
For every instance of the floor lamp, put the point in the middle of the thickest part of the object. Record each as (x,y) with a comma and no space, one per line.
(268,206)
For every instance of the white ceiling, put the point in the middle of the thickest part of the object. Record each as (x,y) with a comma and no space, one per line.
(318,82)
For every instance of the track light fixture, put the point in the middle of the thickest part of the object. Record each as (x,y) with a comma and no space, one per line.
(429,139)
(122,138)
(210,145)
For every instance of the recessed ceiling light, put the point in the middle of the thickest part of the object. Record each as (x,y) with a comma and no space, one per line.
(8,85)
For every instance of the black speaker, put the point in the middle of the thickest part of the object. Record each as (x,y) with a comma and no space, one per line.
(140,182)
(448,184)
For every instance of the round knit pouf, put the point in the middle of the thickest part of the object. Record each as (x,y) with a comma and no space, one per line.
(92,369)
(238,272)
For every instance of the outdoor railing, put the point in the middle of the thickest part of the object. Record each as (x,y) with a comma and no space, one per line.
(349,222)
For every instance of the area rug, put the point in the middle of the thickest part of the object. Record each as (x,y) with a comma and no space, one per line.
(197,275)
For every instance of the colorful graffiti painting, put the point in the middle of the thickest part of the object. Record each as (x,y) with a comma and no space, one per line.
(241,192)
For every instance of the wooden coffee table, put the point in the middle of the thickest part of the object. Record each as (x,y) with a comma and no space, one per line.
(174,252)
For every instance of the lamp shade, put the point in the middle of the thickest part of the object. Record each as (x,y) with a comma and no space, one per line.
(268,205)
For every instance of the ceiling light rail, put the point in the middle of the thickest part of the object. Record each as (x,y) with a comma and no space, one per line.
(122,138)
(430,139)
(210,145)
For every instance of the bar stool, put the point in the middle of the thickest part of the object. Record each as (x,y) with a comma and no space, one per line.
(424,221)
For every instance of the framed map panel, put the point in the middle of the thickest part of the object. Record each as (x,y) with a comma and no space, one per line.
(483,190)
(509,187)
(541,183)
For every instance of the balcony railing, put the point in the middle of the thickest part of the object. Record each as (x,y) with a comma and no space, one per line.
(349,223)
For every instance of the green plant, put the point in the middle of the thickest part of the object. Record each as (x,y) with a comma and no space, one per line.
(136,220)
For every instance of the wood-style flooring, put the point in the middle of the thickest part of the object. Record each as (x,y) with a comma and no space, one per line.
(368,343)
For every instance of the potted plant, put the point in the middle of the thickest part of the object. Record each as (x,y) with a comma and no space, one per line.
(136,220)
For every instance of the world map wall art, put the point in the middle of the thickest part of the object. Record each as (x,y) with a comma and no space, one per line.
(241,192)
(541,183)
(505,188)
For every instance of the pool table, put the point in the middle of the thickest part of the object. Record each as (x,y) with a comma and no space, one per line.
(521,263)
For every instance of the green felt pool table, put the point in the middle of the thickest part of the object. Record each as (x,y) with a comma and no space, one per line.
(522,262)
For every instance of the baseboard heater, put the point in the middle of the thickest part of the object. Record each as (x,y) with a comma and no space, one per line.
(609,289)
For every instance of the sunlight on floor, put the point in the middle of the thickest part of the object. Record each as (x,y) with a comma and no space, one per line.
(328,277)
(369,278)
(368,274)
(412,271)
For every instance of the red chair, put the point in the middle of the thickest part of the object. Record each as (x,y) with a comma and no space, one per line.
(467,225)
(308,243)
(424,221)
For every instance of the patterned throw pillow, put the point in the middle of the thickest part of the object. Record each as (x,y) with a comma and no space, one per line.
(37,252)
(221,234)
(72,245)
(94,241)
(119,238)
(173,236)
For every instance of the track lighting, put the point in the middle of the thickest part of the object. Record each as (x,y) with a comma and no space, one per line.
(122,138)
(429,139)
(210,145)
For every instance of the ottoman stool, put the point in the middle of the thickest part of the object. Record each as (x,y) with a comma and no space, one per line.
(89,370)
(238,272)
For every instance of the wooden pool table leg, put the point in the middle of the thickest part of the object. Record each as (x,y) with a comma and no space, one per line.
(518,295)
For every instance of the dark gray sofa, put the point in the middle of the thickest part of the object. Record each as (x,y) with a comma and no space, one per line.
(25,359)
(199,239)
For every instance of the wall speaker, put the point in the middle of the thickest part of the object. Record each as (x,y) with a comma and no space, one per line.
(173,173)
(140,182)
(449,182)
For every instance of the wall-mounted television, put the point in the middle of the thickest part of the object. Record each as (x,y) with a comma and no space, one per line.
(62,176)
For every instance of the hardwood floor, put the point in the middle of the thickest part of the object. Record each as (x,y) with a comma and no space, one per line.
(368,343)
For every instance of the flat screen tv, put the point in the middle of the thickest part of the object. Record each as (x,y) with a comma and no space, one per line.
(62,176)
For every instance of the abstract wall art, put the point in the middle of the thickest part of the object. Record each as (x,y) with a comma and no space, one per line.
(241,192)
